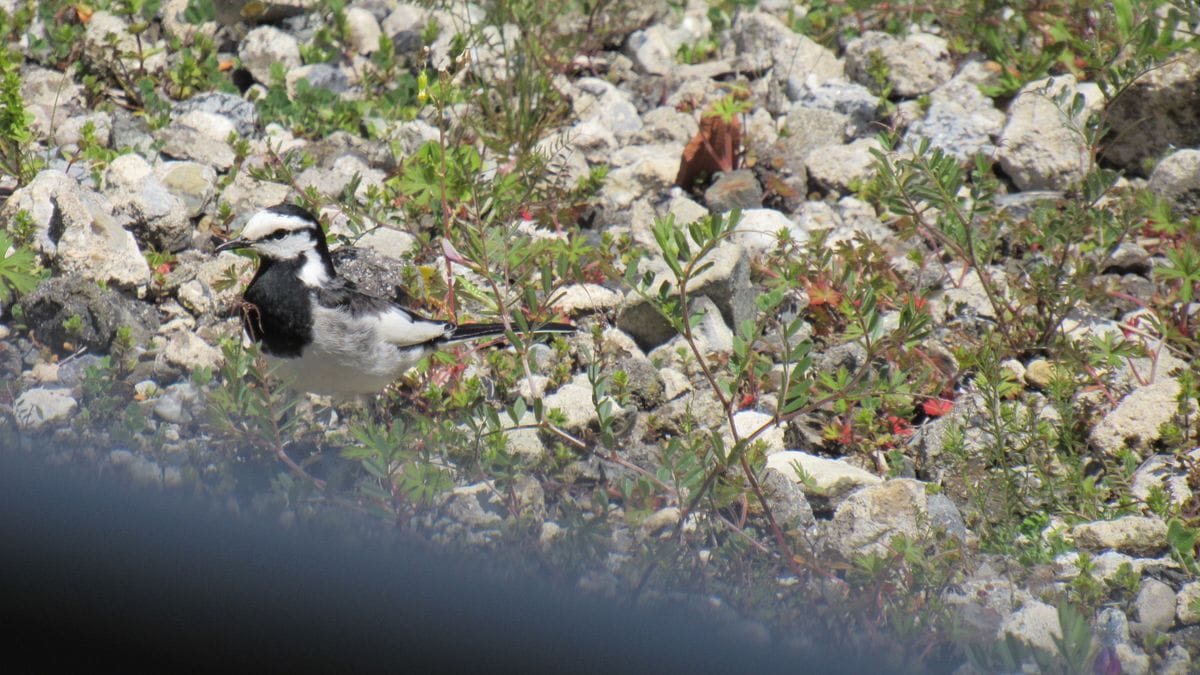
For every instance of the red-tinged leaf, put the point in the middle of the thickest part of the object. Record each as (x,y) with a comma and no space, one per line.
(846,437)
(822,293)
(936,407)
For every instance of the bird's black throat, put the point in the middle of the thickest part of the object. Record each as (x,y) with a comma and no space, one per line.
(280,313)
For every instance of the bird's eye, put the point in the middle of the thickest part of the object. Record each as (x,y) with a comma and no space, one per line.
(277,234)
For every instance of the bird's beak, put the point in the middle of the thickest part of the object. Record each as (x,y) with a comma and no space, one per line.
(233,245)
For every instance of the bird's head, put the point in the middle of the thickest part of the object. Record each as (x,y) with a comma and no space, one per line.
(287,233)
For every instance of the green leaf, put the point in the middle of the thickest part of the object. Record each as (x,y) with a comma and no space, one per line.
(1123,10)
(17,266)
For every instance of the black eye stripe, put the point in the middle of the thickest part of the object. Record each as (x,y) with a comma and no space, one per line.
(278,234)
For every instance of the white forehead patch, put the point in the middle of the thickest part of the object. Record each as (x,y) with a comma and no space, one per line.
(265,223)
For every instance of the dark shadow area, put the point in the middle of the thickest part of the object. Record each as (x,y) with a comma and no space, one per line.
(96,575)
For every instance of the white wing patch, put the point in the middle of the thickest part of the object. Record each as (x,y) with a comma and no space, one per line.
(398,328)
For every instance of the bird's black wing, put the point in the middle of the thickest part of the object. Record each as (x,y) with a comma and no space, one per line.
(344,295)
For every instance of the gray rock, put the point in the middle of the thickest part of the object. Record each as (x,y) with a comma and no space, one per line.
(827,478)
(388,242)
(945,516)
(1128,258)
(1187,602)
(193,183)
(107,36)
(404,25)
(652,172)
(156,215)
(809,128)
(664,125)
(200,136)
(781,169)
(265,46)
(1135,422)
(318,76)
(726,283)
(146,471)
(960,120)
(71,371)
(574,399)
(247,196)
(653,49)
(605,103)
(758,230)
(734,189)
(1035,624)
(1112,631)
(325,182)
(186,350)
(236,109)
(488,48)
(761,426)
(854,101)
(51,89)
(37,408)
(1177,179)
(645,386)
(52,306)
(867,520)
(1040,148)
(984,600)
(1138,136)
(1177,661)
(197,277)
(1136,535)
(765,41)
(69,132)
(841,167)
(177,27)
(577,299)
(76,230)
(1161,471)
(916,64)
(132,132)
(1154,605)
(362,31)
(857,218)
(525,443)
(175,403)
(787,501)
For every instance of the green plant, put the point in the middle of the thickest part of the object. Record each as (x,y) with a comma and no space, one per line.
(248,410)
(880,73)
(315,111)
(18,269)
(196,70)
(73,325)
(1074,650)
(1058,248)
(399,463)
(16,158)
(1181,540)
(329,39)
(696,52)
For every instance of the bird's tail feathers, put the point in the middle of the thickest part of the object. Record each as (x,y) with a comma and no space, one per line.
(477,331)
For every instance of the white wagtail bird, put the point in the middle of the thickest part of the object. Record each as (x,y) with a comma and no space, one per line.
(328,336)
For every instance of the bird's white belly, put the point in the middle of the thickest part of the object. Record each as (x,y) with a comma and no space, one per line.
(347,356)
